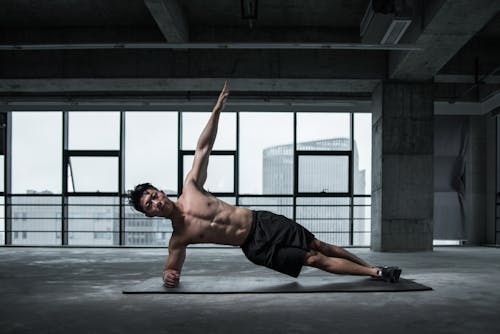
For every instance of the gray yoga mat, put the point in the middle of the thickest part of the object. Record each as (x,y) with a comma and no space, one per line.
(233,284)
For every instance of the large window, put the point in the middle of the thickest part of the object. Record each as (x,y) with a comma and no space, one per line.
(266,153)
(151,149)
(220,175)
(193,124)
(3,145)
(497,211)
(70,172)
(94,130)
(36,220)
(93,151)
(2,220)
(36,152)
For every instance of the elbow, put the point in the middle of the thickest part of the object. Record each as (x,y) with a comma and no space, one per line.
(202,149)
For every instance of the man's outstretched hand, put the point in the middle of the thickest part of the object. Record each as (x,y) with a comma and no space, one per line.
(171,278)
(221,101)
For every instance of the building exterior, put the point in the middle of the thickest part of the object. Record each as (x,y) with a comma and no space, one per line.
(329,218)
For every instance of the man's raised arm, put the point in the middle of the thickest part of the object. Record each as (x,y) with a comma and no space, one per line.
(198,172)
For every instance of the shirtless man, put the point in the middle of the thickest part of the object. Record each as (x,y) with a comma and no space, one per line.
(266,238)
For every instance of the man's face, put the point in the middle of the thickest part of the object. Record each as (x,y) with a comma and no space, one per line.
(155,203)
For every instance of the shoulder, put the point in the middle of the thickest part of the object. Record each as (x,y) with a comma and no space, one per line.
(177,241)
(191,188)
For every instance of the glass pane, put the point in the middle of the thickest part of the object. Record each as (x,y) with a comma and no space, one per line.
(324,131)
(36,152)
(193,124)
(3,130)
(151,150)
(327,218)
(229,200)
(2,220)
(279,205)
(362,153)
(323,174)
(328,201)
(266,153)
(93,221)
(2,170)
(94,130)
(498,157)
(220,177)
(362,200)
(93,174)
(36,220)
(362,212)
(362,232)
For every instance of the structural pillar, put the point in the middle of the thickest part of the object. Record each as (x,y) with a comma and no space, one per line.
(402,167)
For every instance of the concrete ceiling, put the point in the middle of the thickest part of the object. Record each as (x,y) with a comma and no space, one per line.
(159,42)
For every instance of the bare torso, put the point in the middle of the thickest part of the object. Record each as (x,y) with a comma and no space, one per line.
(203,218)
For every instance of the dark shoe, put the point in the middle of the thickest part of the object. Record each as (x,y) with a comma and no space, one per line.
(390,274)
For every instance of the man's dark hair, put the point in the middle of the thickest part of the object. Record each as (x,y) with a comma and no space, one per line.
(134,196)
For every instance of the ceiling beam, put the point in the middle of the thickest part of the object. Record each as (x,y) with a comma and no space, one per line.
(220,45)
(170,18)
(465,78)
(158,86)
(449,28)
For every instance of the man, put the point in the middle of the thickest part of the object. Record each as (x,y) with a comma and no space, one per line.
(266,238)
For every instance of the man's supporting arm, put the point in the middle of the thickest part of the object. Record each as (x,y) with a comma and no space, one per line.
(173,266)
(198,172)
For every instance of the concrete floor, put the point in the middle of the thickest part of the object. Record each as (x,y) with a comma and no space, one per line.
(78,290)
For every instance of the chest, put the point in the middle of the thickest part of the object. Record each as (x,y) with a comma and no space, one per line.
(200,208)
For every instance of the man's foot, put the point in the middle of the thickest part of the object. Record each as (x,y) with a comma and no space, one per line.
(389,274)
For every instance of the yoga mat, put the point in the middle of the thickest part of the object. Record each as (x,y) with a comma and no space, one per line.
(233,284)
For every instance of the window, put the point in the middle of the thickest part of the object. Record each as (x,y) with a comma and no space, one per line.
(92,157)
(93,174)
(323,131)
(220,175)
(93,220)
(324,174)
(193,124)
(151,149)
(36,152)
(37,214)
(362,153)
(313,167)
(266,153)
(2,220)
(94,130)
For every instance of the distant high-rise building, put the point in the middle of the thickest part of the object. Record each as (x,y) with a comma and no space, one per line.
(328,217)
(278,167)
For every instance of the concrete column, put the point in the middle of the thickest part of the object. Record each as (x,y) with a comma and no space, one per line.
(491,177)
(402,167)
(475,181)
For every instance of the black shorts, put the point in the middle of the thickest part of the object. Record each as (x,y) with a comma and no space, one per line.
(277,242)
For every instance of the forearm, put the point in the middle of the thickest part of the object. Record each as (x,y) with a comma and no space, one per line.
(173,267)
(207,137)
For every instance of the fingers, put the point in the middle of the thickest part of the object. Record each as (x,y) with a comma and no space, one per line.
(171,279)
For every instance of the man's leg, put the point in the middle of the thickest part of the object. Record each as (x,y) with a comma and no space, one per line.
(337,265)
(337,252)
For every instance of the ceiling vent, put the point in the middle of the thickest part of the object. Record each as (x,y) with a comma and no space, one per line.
(385,22)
